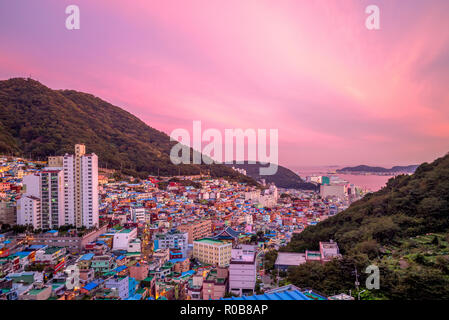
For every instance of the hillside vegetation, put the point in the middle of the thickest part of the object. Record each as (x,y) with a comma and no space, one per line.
(283,178)
(402,228)
(36,122)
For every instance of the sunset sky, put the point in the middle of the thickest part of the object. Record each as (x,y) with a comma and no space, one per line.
(339,93)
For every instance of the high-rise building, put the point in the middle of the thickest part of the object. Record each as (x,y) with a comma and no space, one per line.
(325,180)
(42,204)
(81,188)
(29,204)
(31,185)
(67,191)
(52,198)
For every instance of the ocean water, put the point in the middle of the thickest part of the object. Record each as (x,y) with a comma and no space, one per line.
(366,182)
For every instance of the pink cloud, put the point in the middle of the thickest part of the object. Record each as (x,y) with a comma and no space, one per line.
(337,92)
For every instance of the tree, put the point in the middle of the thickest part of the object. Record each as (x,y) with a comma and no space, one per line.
(270,259)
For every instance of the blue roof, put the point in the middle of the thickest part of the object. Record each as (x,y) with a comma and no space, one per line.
(286,295)
(190,272)
(120,269)
(22,253)
(90,286)
(87,256)
(36,246)
(135,297)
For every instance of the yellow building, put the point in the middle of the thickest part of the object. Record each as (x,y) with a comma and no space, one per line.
(57,161)
(212,251)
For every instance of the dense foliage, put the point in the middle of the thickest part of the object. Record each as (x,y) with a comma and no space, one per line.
(36,122)
(402,228)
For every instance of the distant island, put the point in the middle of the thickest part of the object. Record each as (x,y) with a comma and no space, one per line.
(362,169)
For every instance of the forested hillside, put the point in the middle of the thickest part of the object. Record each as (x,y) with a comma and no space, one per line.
(36,121)
(402,228)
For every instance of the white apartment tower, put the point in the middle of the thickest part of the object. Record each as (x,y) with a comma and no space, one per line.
(81,188)
(29,211)
(28,206)
(42,204)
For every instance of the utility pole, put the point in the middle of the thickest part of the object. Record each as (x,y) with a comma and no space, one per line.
(361,292)
(357,283)
(277,279)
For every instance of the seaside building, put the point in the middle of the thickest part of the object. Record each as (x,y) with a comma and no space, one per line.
(327,190)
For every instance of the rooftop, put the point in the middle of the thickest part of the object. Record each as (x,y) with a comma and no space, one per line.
(36,291)
(290,258)
(286,295)
(210,241)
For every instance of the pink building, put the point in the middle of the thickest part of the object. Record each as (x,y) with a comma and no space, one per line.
(243,269)
(216,283)
(139,271)
(195,287)
(329,250)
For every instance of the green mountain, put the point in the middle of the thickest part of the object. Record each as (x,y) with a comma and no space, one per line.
(283,178)
(403,229)
(36,122)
